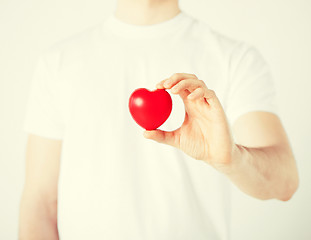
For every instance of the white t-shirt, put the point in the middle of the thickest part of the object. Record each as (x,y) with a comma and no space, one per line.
(114,184)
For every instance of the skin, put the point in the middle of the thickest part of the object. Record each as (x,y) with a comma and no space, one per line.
(146,12)
(38,207)
(260,164)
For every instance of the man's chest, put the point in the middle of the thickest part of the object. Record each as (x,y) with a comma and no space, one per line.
(98,85)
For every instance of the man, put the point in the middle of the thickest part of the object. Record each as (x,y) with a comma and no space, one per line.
(91,175)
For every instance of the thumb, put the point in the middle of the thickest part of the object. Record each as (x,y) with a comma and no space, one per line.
(160,136)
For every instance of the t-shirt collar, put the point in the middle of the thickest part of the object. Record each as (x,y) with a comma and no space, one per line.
(127,30)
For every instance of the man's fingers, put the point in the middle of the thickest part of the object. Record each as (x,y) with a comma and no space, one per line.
(193,89)
(177,77)
(189,84)
(211,98)
(160,84)
(196,94)
(160,136)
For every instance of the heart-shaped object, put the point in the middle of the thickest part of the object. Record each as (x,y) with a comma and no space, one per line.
(150,109)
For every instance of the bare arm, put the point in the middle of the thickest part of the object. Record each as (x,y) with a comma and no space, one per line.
(263,164)
(38,207)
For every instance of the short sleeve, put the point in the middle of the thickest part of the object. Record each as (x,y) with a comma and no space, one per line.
(251,85)
(43,115)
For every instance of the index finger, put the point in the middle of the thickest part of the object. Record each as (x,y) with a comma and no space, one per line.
(173,80)
(160,84)
(176,78)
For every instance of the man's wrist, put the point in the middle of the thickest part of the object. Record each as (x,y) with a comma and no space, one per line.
(233,164)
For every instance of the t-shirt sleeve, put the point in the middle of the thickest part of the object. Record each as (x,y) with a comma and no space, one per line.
(251,85)
(43,116)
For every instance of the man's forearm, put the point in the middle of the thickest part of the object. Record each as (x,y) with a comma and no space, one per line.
(264,173)
(37,219)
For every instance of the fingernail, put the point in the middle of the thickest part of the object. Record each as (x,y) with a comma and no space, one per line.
(174,89)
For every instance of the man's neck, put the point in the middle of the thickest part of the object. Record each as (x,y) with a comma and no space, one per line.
(146,12)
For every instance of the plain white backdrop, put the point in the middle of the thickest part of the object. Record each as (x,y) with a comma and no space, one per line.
(280,29)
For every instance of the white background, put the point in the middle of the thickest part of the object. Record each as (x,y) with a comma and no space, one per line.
(280,29)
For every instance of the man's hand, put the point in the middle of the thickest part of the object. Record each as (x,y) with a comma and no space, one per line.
(261,164)
(204,134)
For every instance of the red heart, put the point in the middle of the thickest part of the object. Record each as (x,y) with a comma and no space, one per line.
(150,109)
